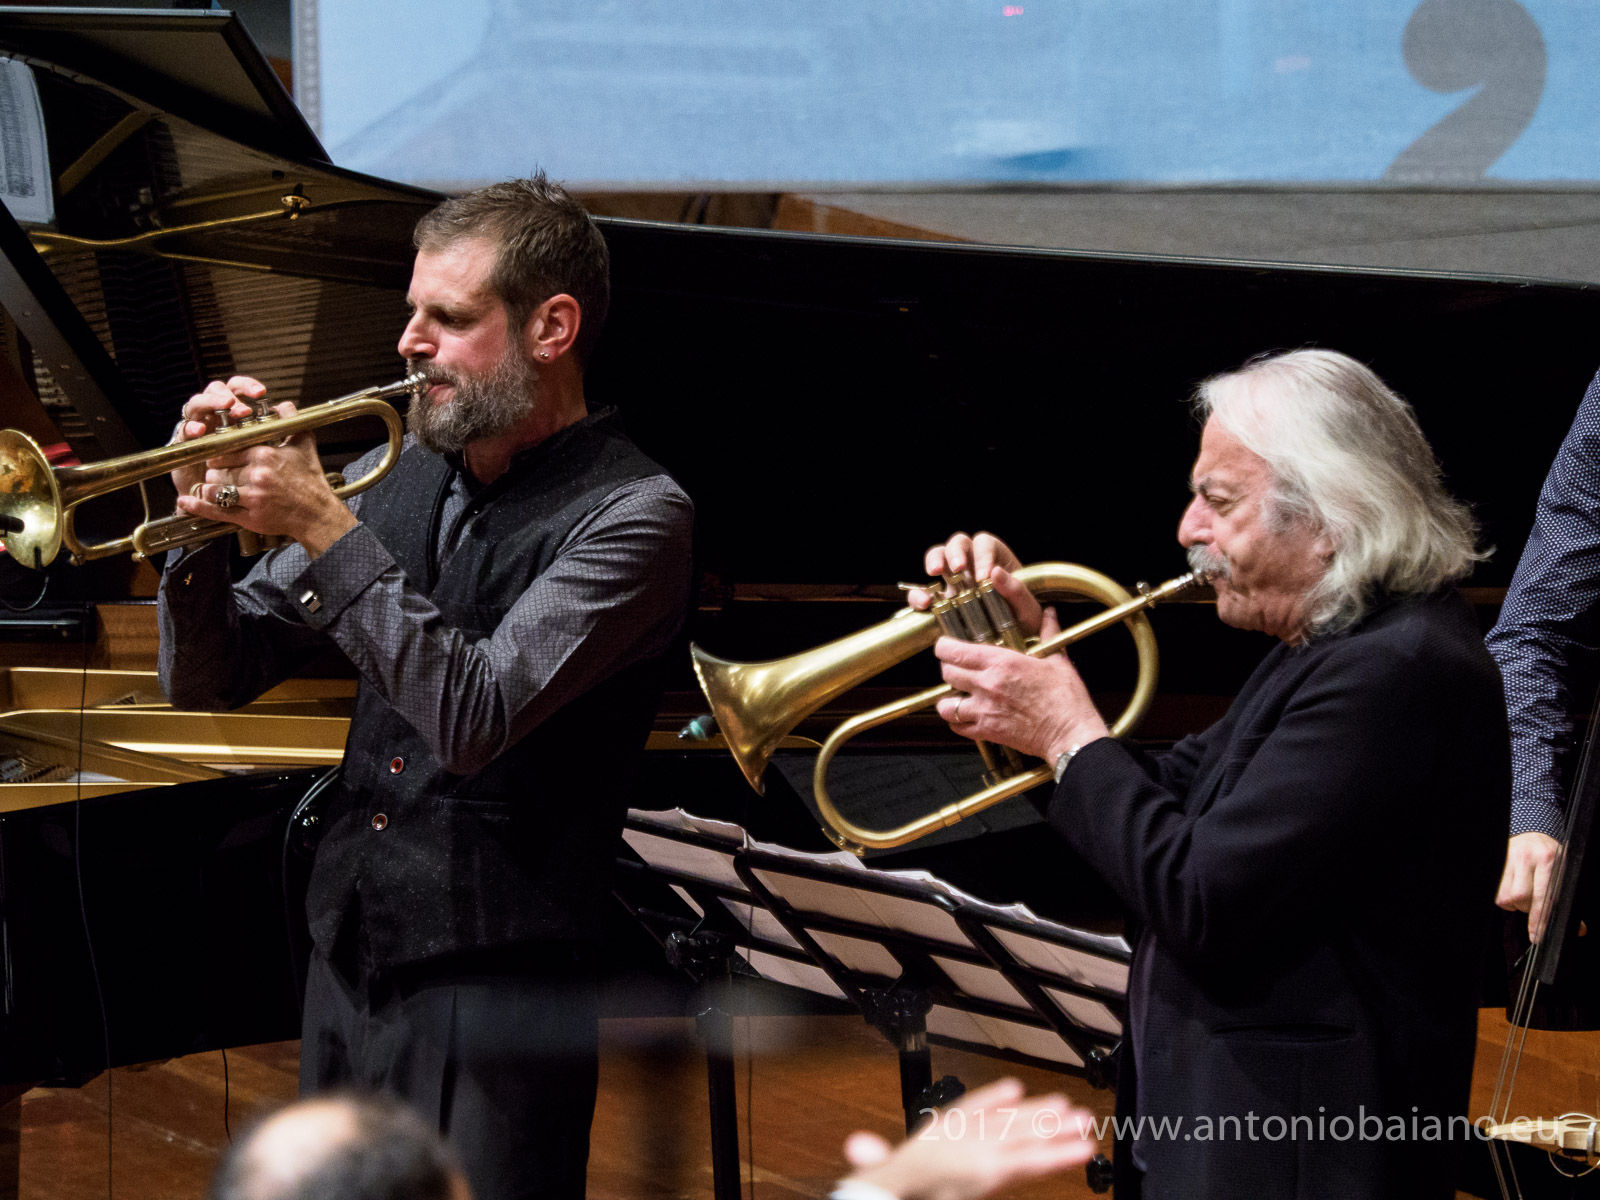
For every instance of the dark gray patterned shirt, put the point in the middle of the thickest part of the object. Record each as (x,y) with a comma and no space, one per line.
(608,600)
(1549,627)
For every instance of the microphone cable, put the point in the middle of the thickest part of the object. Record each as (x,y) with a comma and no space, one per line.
(83,904)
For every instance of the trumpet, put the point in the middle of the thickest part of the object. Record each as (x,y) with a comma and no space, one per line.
(756,704)
(38,502)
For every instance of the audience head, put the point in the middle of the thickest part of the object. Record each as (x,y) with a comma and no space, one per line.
(340,1147)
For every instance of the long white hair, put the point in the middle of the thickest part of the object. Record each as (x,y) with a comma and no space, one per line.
(1349,461)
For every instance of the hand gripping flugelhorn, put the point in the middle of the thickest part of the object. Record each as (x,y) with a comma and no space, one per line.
(757,704)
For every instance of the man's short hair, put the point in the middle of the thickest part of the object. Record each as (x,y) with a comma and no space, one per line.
(349,1147)
(1348,459)
(547,243)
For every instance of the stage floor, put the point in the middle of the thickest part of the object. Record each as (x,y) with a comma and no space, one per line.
(808,1083)
(805,1082)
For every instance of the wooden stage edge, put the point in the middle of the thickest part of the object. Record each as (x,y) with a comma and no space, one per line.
(804,1084)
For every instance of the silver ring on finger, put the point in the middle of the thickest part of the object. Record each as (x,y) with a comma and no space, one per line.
(227,496)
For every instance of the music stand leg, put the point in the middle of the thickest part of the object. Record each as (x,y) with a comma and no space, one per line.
(707,957)
(716,1032)
(901,1015)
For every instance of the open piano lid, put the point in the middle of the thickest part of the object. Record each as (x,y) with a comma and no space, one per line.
(197,64)
(196,226)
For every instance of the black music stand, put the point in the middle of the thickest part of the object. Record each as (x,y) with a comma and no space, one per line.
(681,884)
(922,960)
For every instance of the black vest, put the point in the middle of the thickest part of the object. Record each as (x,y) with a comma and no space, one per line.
(522,850)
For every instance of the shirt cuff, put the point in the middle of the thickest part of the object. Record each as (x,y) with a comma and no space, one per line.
(1538,814)
(332,581)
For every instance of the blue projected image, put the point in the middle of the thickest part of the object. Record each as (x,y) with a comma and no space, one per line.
(641,93)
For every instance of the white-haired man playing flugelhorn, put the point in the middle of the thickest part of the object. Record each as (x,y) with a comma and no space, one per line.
(1308,876)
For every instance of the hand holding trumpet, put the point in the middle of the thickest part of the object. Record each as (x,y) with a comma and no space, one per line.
(275,488)
(1039,706)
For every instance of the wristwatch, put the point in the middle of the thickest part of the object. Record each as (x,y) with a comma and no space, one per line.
(1064,758)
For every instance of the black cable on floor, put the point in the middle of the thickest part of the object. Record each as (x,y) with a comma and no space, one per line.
(749,1094)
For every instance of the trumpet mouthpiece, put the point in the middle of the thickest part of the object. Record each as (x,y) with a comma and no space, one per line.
(412,383)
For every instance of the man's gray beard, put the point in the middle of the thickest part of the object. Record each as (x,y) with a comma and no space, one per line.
(482,406)
(1203,560)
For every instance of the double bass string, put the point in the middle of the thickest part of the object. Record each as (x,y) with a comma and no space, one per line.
(1520,1015)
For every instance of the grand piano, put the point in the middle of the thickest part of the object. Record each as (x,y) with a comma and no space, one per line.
(832,404)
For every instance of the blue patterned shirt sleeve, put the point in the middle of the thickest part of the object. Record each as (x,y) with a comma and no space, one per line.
(1549,628)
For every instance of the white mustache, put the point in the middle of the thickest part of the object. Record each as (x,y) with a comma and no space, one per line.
(1213,564)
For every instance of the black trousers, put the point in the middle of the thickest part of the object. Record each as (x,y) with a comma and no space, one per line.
(500,1049)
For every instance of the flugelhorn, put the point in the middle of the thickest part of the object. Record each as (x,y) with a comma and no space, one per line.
(757,704)
(38,501)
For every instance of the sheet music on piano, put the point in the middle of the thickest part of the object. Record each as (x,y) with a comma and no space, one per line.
(24,155)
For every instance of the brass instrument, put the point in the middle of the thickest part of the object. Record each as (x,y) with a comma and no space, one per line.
(757,704)
(37,501)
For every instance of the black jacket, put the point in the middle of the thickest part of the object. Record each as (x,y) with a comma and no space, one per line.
(1311,875)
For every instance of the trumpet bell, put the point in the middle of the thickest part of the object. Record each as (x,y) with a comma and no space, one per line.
(30,501)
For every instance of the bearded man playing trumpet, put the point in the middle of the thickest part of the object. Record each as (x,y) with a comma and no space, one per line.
(1307,878)
(505,594)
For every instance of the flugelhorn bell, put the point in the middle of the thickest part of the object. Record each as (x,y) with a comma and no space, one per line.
(38,501)
(757,704)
